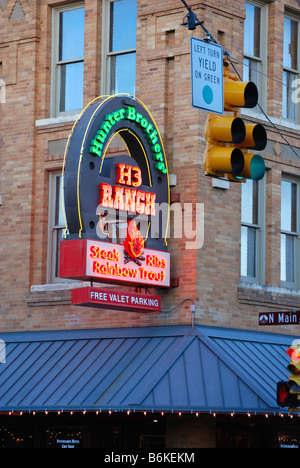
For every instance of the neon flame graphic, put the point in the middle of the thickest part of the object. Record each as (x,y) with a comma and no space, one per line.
(134,242)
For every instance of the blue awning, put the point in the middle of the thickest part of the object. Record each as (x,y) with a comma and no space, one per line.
(175,368)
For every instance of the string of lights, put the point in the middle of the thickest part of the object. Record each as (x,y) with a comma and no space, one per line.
(151,412)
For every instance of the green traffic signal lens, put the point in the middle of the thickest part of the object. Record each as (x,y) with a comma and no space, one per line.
(257,167)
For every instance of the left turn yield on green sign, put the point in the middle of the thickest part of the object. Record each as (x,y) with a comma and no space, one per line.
(207,76)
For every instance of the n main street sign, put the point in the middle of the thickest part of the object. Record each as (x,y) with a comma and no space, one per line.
(280,318)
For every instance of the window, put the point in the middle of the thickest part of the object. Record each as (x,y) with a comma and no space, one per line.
(56,226)
(67,60)
(120,46)
(251,231)
(289,234)
(255,46)
(290,67)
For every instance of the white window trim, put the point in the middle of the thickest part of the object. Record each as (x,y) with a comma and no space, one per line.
(105,72)
(55,86)
(263,59)
(296,284)
(284,123)
(52,243)
(105,54)
(288,14)
(259,278)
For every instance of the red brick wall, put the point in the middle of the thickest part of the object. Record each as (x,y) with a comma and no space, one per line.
(209,276)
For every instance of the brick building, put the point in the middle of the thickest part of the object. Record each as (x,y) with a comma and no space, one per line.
(196,386)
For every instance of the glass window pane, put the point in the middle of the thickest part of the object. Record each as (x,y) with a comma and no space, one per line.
(288,106)
(123,74)
(71,87)
(290,44)
(246,70)
(287,272)
(59,236)
(71,34)
(244,251)
(248,252)
(59,216)
(123,14)
(254,72)
(252,30)
(288,206)
(250,202)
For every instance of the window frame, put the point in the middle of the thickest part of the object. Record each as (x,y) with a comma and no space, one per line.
(262,59)
(56,63)
(107,56)
(294,285)
(53,228)
(259,277)
(292,71)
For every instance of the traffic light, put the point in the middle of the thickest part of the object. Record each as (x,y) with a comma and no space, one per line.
(284,397)
(294,368)
(229,138)
(288,392)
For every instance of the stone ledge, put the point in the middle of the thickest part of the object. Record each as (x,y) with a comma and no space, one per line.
(56,294)
(51,294)
(48,298)
(280,298)
(56,121)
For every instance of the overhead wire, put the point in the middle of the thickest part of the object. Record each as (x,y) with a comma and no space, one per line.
(192,22)
(261,73)
(263,112)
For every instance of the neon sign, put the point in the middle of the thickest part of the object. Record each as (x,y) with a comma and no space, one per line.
(131,186)
(133,183)
(124,198)
(99,261)
(129,113)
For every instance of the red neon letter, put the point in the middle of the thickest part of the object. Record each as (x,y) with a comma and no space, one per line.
(118,198)
(128,175)
(105,195)
(124,174)
(150,204)
(140,207)
(129,199)
(136,176)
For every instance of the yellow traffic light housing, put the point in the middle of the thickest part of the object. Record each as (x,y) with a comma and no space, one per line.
(228,137)
(220,158)
(288,392)
(294,368)
(238,93)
